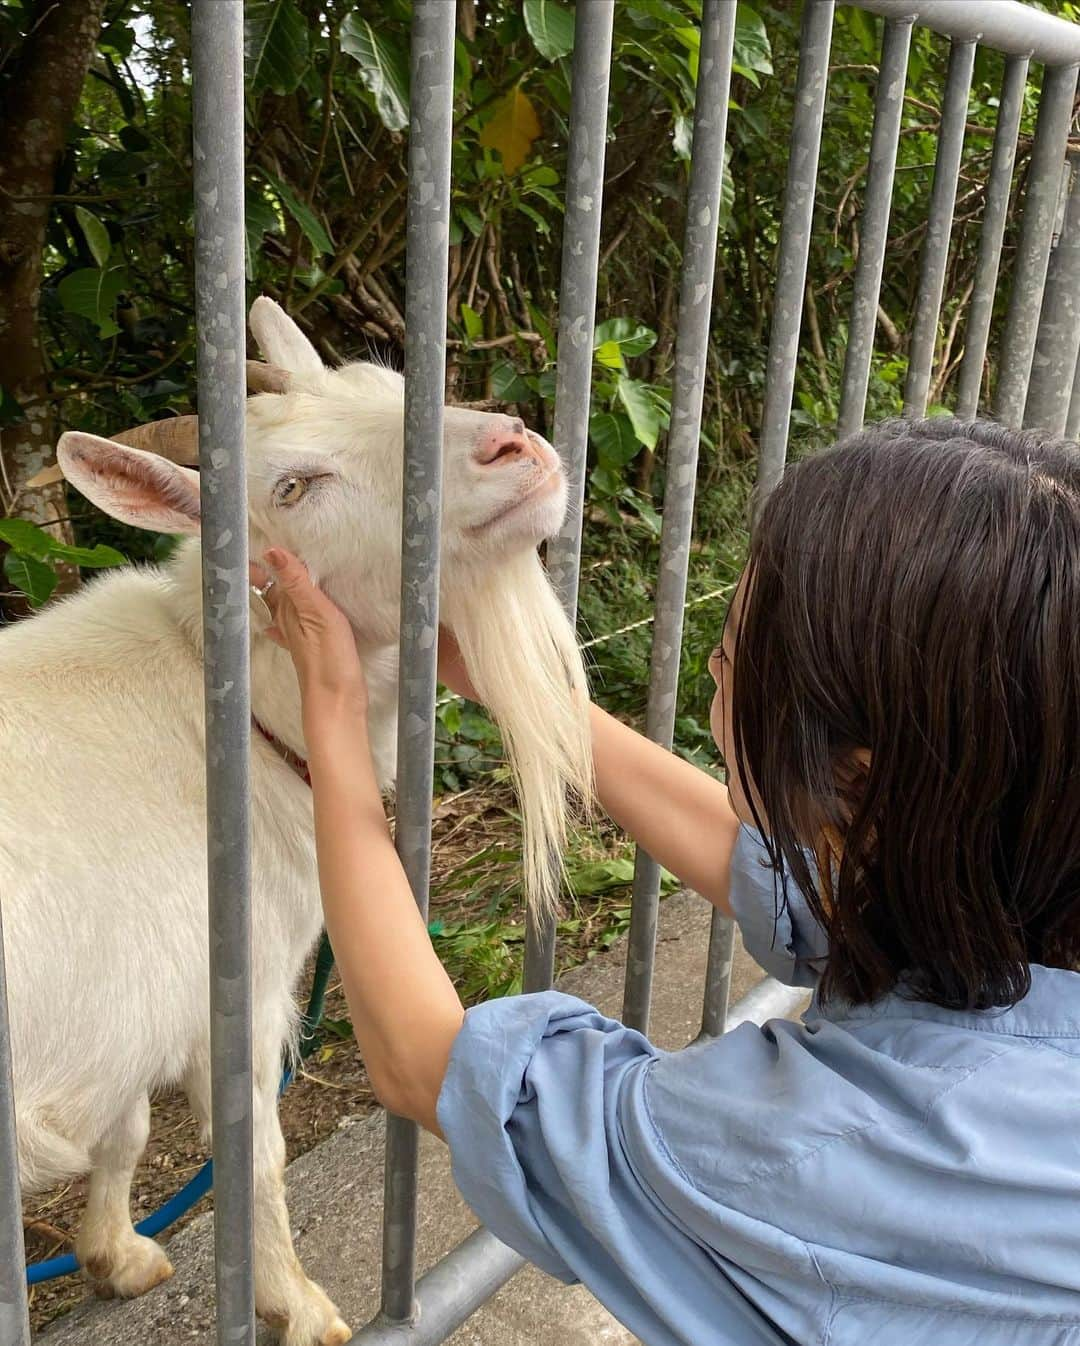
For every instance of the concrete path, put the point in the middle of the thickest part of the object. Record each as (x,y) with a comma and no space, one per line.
(335,1199)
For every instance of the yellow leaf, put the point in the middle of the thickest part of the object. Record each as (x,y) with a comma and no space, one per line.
(512,130)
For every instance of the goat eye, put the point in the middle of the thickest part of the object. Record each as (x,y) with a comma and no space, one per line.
(291,490)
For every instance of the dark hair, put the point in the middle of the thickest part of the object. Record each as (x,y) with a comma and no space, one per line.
(915,592)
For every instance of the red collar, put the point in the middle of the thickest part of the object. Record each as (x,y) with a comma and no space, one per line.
(286,754)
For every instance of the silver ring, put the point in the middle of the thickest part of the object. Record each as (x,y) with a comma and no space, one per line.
(258,597)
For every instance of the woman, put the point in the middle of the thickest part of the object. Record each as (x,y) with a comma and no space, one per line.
(898,705)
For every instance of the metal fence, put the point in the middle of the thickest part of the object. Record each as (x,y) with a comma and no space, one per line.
(1037,385)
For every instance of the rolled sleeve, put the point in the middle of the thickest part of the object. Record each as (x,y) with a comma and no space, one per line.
(525,1108)
(545,1111)
(777,927)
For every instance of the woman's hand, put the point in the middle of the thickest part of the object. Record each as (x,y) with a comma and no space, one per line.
(316,634)
(452,671)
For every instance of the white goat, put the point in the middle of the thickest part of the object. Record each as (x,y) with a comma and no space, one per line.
(102,823)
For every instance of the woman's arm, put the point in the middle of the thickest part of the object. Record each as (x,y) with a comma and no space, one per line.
(405,1011)
(679,814)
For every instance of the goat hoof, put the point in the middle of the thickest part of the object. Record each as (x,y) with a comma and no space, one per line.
(129,1270)
(322,1328)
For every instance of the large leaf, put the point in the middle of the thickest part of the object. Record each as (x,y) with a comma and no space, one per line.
(551,28)
(615,440)
(305,217)
(276,46)
(31,577)
(753,53)
(632,338)
(28,540)
(642,410)
(384,70)
(92,558)
(507,385)
(92,293)
(512,130)
(260,218)
(96,235)
(25,537)
(472,322)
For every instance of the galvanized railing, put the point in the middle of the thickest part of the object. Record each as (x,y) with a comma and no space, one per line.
(1037,385)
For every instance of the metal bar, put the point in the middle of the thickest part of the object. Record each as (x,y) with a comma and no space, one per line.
(935,252)
(449,1293)
(14,1323)
(718,975)
(1004,25)
(810,87)
(688,391)
(874,225)
(1058,343)
(995,215)
(426,269)
(1072,424)
(589,76)
(217,62)
(1033,253)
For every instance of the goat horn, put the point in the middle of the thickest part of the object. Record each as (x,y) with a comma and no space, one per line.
(264,378)
(176,439)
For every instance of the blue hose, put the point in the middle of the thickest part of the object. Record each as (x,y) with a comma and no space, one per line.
(165,1215)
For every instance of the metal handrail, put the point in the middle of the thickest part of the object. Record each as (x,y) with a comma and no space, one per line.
(1007,26)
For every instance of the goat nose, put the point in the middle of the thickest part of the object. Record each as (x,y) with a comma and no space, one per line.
(506,443)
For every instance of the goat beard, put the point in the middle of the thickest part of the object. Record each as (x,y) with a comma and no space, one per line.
(523,659)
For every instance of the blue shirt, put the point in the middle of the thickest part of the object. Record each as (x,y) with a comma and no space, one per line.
(884,1175)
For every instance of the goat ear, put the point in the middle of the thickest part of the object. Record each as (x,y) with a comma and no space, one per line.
(281,341)
(131,485)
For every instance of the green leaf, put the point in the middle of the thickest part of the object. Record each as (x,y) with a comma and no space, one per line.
(30,576)
(96,235)
(305,217)
(276,46)
(642,410)
(338,1028)
(551,28)
(609,354)
(25,537)
(93,558)
(507,385)
(92,293)
(632,337)
(615,440)
(600,876)
(753,52)
(450,715)
(541,325)
(539,176)
(260,218)
(117,39)
(471,220)
(683,137)
(384,70)
(535,216)
(473,323)
(655,11)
